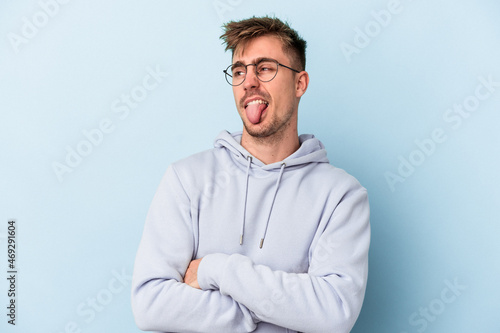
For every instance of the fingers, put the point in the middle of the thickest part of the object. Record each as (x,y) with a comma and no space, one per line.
(191,276)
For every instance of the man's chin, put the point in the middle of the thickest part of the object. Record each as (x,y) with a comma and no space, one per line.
(258,130)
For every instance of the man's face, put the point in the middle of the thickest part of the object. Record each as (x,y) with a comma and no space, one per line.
(273,105)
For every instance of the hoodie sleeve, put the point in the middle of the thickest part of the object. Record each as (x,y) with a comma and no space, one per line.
(160,299)
(328,298)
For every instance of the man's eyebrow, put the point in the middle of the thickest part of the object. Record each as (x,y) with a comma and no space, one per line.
(238,63)
(255,61)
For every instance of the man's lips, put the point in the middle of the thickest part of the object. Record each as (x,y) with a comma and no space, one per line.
(255,100)
(253,95)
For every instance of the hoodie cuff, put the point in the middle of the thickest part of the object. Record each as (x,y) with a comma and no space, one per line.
(211,270)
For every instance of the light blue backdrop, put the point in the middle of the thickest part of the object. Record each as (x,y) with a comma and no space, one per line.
(404,94)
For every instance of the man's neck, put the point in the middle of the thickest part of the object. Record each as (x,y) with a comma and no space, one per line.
(271,149)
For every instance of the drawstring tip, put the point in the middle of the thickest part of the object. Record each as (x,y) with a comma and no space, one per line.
(261,243)
(241,239)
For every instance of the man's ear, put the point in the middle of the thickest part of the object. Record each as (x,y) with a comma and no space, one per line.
(301,83)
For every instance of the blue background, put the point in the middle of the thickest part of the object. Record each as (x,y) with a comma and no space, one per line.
(436,226)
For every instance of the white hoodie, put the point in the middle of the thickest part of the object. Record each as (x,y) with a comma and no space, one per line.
(284,245)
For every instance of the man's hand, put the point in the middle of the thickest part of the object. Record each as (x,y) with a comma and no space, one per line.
(191,276)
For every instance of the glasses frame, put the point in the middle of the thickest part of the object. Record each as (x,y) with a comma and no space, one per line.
(229,77)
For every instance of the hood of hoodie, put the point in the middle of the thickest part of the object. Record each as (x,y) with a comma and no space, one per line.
(311,150)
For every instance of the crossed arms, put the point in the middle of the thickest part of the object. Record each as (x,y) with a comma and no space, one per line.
(220,292)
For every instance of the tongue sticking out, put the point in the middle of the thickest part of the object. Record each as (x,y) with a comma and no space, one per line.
(254,111)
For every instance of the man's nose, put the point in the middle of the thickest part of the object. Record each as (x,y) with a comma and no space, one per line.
(251,79)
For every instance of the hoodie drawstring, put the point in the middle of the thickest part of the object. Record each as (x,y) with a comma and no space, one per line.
(249,159)
(278,181)
(272,204)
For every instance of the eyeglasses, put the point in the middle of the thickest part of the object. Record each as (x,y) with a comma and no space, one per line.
(265,70)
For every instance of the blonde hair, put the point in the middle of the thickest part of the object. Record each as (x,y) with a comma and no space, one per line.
(238,33)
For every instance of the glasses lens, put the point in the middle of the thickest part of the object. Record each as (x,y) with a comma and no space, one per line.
(235,74)
(266,70)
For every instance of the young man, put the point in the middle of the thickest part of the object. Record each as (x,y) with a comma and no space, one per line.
(260,233)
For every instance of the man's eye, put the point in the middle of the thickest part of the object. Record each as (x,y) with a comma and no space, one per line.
(266,67)
(238,71)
